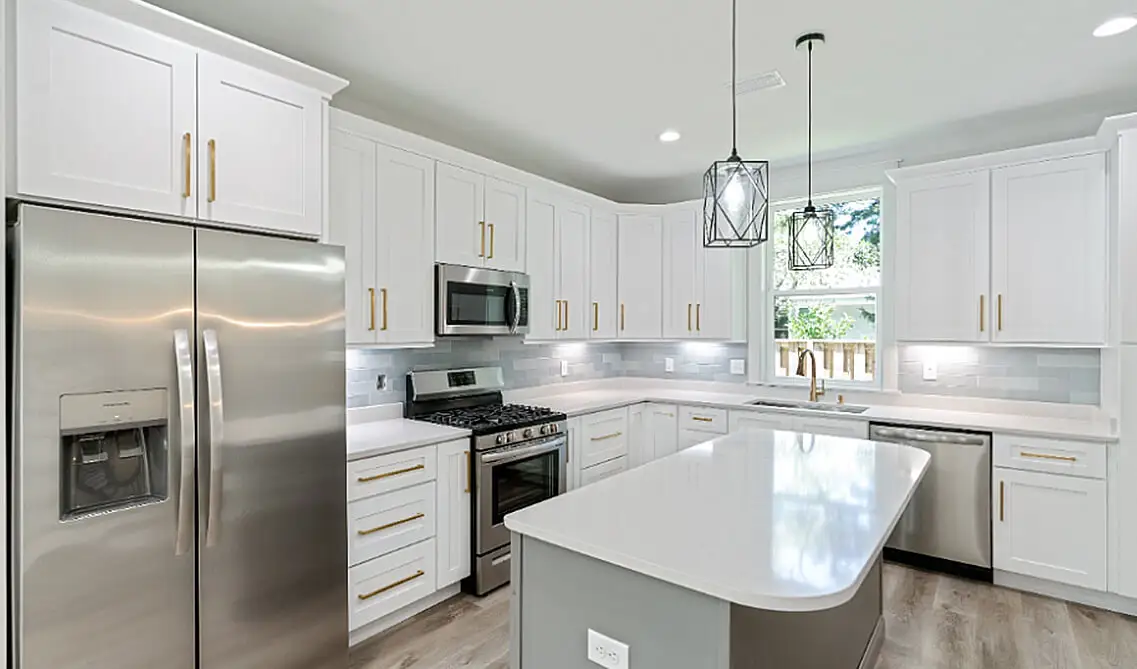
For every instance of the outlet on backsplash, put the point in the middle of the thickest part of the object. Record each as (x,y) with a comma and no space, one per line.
(380,382)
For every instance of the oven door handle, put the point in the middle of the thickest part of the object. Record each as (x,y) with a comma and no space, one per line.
(516,292)
(522,453)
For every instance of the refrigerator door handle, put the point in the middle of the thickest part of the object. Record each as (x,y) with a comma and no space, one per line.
(216,434)
(186,507)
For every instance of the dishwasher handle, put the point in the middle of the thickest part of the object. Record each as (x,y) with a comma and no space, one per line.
(908,434)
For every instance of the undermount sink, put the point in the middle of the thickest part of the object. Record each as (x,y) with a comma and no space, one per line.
(812,406)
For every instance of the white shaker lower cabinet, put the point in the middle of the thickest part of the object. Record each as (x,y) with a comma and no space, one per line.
(604,470)
(453,540)
(386,584)
(824,425)
(832,427)
(639,438)
(758,420)
(663,422)
(572,429)
(1050,526)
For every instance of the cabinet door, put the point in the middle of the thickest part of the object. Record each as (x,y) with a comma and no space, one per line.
(1049,251)
(105,111)
(1050,526)
(545,314)
(714,310)
(405,271)
(756,420)
(574,429)
(689,438)
(682,253)
(1126,253)
(453,543)
(640,277)
(264,166)
(505,225)
(639,437)
(942,266)
(572,270)
(459,229)
(1122,476)
(351,209)
(664,429)
(603,256)
(833,427)
(604,470)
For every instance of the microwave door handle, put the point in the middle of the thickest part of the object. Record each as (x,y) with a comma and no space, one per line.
(183,360)
(516,306)
(216,434)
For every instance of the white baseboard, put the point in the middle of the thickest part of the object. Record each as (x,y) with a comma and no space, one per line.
(1071,593)
(410,610)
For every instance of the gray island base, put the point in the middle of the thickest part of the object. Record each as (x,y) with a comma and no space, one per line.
(558,595)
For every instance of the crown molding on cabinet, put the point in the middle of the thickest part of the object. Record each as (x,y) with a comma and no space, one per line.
(201,36)
(1028,154)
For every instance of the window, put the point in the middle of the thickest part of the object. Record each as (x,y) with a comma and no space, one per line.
(831,312)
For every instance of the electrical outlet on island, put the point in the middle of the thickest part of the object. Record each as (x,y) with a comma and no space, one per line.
(607,652)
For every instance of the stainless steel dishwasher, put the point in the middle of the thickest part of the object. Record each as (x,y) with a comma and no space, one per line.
(947,526)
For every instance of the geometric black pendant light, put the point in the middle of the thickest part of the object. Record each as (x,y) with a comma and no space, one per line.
(811,228)
(735,191)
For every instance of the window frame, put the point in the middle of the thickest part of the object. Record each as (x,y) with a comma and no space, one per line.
(762,347)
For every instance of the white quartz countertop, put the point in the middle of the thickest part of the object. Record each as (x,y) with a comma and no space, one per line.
(770,520)
(365,440)
(581,402)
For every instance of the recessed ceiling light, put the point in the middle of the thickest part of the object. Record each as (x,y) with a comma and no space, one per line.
(1115,26)
(668,136)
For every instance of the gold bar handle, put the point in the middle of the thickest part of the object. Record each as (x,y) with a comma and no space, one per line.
(698,317)
(369,479)
(384,292)
(1002,499)
(1047,456)
(608,436)
(982,313)
(1000,312)
(187,140)
(469,469)
(388,526)
(491,240)
(371,295)
(483,252)
(396,584)
(566,315)
(558,308)
(595,316)
(621,315)
(703,419)
(688,317)
(213,170)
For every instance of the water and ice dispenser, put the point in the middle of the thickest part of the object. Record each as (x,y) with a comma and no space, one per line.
(115,451)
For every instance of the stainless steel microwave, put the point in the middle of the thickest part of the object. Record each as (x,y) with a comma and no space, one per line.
(477,301)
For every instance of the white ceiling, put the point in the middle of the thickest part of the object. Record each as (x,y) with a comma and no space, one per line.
(578,90)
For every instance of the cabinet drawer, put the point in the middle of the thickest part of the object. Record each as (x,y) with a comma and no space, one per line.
(386,584)
(385,523)
(394,471)
(603,470)
(703,419)
(833,427)
(756,420)
(1055,456)
(604,436)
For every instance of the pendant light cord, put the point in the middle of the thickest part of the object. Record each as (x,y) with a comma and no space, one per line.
(734,78)
(809,178)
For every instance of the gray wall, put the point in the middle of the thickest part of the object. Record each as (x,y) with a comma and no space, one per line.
(1070,376)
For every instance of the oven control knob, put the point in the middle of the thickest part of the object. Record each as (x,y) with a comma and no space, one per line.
(554,428)
(544,429)
(508,437)
(500,439)
(528,433)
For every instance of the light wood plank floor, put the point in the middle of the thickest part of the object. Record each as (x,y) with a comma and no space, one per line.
(932,622)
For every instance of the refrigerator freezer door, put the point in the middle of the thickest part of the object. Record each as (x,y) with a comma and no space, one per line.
(272,520)
(97,301)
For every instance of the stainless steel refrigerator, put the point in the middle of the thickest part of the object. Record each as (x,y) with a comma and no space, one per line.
(177,446)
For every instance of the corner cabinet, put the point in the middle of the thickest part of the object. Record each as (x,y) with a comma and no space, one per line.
(698,283)
(453,541)
(985,255)
(557,251)
(480,220)
(111,114)
(640,269)
(382,212)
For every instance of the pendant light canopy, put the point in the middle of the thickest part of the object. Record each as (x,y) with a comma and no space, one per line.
(811,228)
(735,191)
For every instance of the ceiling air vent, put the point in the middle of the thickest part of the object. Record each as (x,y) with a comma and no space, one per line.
(769,80)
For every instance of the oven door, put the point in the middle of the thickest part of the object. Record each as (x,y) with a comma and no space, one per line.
(512,478)
(473,301)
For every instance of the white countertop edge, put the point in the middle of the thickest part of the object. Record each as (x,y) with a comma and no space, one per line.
(427,434)
(753,600)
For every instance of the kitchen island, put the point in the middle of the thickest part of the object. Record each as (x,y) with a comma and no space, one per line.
(757,550)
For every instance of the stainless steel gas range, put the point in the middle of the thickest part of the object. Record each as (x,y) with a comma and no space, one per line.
(519,456)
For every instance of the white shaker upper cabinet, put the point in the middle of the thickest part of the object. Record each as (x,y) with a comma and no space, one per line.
(603,242)
(405,250)
(480,221)
(106,111)
(942,274)
(1049,251)
(640,276)
(545,313)
(260,149)
(505,225)
(572,270)
(352,224)
(682,256)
